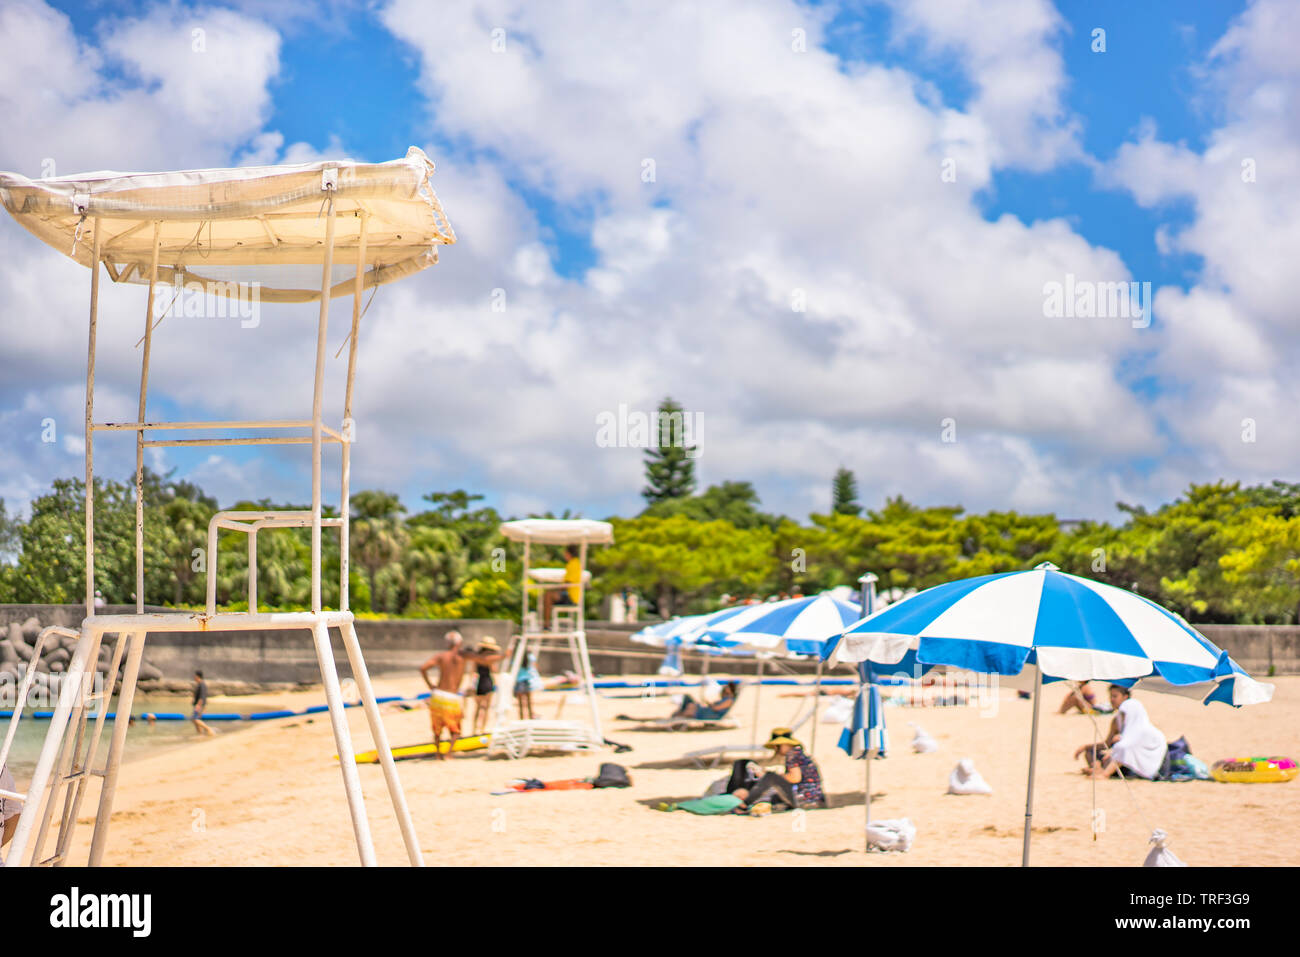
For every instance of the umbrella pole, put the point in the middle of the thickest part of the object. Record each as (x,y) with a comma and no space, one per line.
(866,802)
(1033,756)
(758,691)
(817,700)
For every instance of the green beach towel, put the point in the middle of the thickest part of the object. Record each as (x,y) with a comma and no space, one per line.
(717,804)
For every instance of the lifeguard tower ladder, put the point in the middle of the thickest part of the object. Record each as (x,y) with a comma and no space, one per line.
(565,627)
(258,234)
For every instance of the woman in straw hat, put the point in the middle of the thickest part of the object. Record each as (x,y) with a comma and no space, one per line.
(799,786)
(486,656)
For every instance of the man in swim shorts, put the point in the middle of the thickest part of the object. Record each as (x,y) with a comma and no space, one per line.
(446,705)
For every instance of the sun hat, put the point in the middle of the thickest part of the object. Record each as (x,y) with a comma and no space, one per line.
(783,736)
(490,643)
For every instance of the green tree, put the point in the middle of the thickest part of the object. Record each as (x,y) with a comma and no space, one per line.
(669,463)
(175,530)
(378,540)
(435,565)
(676,561)
(1262,566)
(844,493)
(734,502)
(10,536)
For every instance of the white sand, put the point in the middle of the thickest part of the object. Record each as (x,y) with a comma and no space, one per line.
(272,794)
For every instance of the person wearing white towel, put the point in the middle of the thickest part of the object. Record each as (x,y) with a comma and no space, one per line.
(1134,744)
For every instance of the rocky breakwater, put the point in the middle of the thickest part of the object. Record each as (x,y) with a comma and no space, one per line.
(18,647)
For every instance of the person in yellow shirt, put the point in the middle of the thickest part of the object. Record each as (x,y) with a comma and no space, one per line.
(570,595)
(573,573)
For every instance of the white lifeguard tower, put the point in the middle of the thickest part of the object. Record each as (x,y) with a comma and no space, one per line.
(266,234)
(565,627)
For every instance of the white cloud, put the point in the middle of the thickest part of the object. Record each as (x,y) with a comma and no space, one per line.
(1227,346)
(1008,50)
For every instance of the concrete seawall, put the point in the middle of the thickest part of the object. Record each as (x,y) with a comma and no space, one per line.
(271,658)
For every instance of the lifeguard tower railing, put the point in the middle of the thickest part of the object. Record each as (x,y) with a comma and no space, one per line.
(255,232)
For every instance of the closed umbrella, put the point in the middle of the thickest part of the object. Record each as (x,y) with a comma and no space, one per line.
(1052,626)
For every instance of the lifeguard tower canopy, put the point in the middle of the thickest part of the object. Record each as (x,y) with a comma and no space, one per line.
(559,531)
(235,227)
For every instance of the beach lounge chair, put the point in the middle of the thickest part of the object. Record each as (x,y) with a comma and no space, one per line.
(711,757)
(519,738)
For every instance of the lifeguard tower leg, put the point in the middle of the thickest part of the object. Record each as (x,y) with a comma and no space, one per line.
(125,699)
(362,677)
(589,684)
(72,802)
(343,741)
(51,752)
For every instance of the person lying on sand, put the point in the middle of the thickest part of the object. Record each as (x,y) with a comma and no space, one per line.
(1133,744)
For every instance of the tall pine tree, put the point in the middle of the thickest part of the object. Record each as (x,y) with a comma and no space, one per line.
(669,463)
(844,493)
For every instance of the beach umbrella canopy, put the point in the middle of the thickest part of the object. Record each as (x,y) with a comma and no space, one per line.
(684,631)
(1065,627)
(796,626)
(1071,628)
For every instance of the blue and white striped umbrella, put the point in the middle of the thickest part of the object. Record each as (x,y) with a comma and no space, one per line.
(1072,628)
(685,631)
(797,626)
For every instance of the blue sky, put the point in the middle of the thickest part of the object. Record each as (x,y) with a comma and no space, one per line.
(1071,161)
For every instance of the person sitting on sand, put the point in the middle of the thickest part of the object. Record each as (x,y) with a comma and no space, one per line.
(446,706)
(1132,744)
(799,786)
(1081,698)
(690,708)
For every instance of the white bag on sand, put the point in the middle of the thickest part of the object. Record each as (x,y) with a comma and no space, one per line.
(966,780)
(1160,855)
(923,743)
(893,835)
(838,711)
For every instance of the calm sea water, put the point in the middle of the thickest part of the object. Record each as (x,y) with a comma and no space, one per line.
(142,738)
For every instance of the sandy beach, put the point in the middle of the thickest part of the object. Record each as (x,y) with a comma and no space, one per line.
(272,794)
